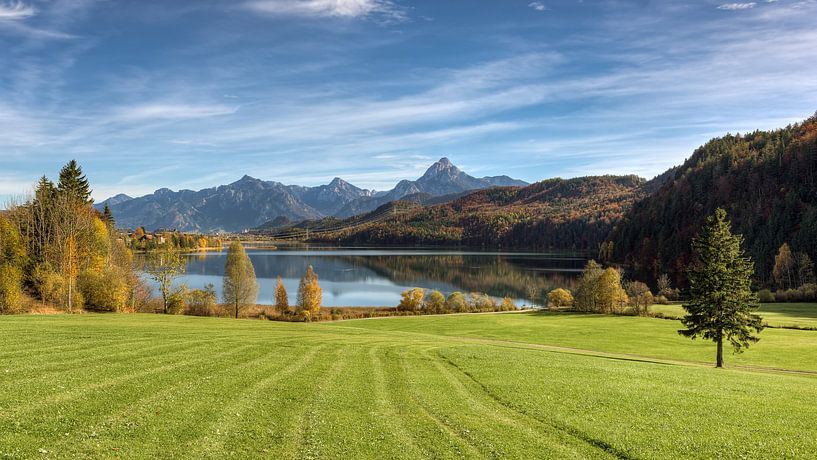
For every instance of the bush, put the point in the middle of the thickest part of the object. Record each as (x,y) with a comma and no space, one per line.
(480,302)
(808,292)
(105,290)
(456,303)
(507,305)
(435,302)
(559,298)
(202,302)
(11,292)
(50,286)
(412,299)
(661,300)
(177,300)
(766,296)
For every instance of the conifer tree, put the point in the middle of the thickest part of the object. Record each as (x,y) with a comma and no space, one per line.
(74,184)
(107,216)
(240,284)
(720,281)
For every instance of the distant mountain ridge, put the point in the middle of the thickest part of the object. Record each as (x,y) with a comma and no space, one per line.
(576,214)
(250,202)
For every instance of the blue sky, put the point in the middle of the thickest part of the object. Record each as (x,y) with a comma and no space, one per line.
(190,94)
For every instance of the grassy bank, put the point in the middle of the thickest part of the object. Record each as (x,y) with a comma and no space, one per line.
(449,387)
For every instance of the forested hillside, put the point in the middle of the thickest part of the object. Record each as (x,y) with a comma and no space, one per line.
(766,181)
(575,214)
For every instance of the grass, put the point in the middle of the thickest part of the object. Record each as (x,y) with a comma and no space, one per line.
(474,386)
(791,315)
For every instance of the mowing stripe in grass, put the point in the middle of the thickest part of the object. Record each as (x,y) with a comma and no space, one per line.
(463,446)
(72,394)
(545,436)
(214,437)
(605,447)
(89,362)
(387,406)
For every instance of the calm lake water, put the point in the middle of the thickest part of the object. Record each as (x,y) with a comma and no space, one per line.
(376,277)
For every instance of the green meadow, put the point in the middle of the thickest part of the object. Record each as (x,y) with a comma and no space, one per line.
(791,315)
(518,385)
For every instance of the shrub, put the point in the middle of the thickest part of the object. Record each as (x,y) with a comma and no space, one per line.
(808,292)
(105,290)
(202,302)
(559,298)
(661,300)
(507,304)
(412,299)
(456,303)
(765,296)
(482,302)
(435,303)
(11,292)
(177,300)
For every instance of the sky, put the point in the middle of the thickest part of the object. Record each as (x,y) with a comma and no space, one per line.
(192,94)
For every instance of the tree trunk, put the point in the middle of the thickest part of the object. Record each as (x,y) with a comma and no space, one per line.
(236,310)
(164,299)
(719,359)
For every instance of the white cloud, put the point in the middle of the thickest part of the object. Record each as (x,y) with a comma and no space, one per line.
(538,6)
(164,111)
(328,8)
(737,6)
(15,11)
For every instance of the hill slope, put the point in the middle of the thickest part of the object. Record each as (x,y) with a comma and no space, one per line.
(766,181)
(557,213)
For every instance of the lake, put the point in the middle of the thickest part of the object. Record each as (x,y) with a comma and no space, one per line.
(376,277)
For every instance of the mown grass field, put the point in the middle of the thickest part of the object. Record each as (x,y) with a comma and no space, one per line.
(474,386)
(803,315)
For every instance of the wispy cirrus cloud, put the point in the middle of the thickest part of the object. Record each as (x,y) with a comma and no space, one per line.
(16,11)
(329,8)
(14,16)
(172,111)
(737,6)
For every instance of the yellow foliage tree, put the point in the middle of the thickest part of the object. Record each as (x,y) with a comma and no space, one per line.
(281,297)
(559,298)
(412,299)
(310,295)
(611,295)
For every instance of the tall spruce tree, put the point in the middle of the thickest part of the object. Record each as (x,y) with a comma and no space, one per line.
(107,216)
(720,281)
(74,184)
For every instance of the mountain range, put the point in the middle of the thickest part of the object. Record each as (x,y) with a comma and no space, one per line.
(250,202)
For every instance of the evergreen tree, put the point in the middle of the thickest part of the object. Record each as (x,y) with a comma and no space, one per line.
(240,284)
(722,301)
(107,216)
(74,184)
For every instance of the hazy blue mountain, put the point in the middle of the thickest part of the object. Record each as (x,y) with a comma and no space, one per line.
(440,179)
(114,200)
(250,202)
